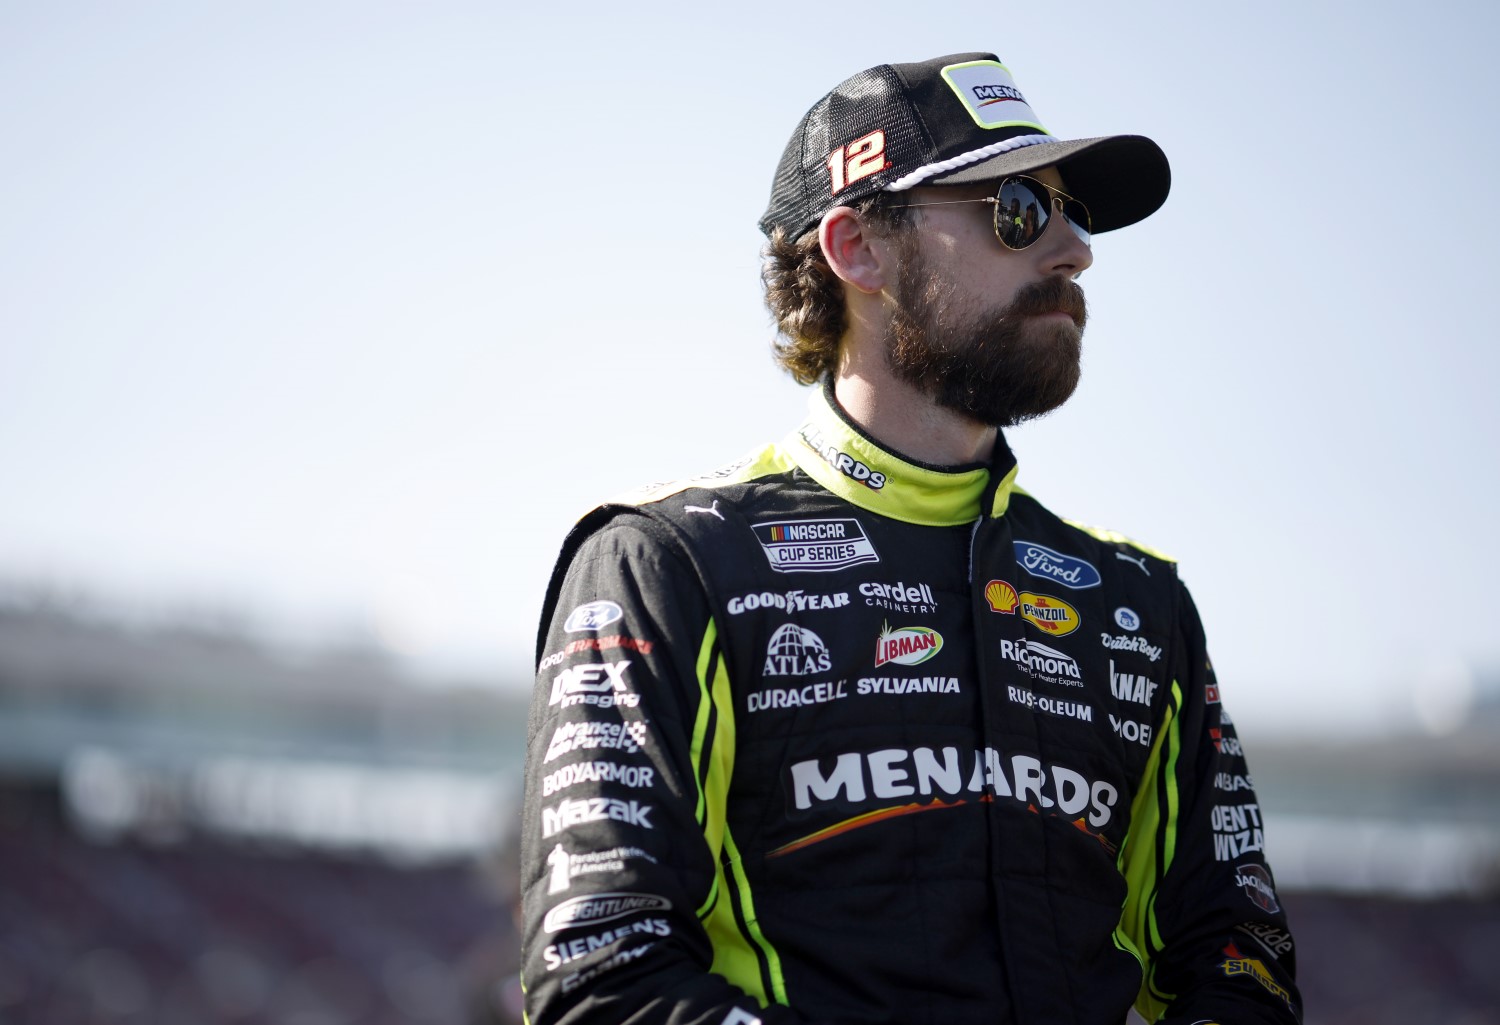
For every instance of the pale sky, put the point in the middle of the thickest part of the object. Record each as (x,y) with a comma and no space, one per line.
(340,313)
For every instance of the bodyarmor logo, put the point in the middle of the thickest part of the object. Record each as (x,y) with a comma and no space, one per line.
(814,546)
(908,646)
(796,651)
(1068,570)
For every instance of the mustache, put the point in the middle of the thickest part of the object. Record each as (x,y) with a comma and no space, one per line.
(1051,295)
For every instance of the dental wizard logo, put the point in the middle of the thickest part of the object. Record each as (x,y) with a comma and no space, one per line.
(1044,562)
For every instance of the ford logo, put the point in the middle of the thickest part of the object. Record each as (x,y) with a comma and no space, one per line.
(1068,570)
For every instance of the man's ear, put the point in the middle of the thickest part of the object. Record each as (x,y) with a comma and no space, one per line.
(858,258)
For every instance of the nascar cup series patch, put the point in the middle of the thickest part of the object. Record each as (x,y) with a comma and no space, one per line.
(989,94)
(814,546)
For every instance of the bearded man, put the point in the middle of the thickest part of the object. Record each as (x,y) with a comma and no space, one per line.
(854,729)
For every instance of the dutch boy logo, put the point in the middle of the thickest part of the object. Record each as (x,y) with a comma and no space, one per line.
(592,616)
(1127,619)
(1044,562)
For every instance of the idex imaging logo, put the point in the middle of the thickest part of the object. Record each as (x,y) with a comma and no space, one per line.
(592,616)
(814,546)
(795,651)
(594,683)
(907,646)
(1067,570)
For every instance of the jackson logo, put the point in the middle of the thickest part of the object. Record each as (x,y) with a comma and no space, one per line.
(601,907)
(1256,882)
(1002,597)
(592,616)
(796,651)
(842,461)
(1050,614)
(1068,570)
(908,646)
(814,546)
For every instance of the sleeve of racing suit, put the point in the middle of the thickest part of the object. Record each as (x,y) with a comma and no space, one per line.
(1202,908)
(627,733)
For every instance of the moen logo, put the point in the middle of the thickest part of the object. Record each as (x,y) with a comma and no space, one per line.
(814,546)
(1050,614)
(908,646)
(796,651)
(1068,570)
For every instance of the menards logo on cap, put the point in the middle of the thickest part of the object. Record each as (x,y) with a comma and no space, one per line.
(989,94)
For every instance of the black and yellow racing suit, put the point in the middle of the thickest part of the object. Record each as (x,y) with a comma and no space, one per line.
(831,736)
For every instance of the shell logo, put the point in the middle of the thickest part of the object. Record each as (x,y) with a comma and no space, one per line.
(1052,615)
(1001,597)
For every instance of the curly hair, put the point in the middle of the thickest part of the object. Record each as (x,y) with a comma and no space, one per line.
(806,298)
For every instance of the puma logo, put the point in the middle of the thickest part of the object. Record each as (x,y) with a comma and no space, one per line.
(1141,562)
(712,510)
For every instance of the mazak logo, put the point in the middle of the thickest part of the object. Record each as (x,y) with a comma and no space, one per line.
(1001,597)
(601,907)
(596,683)
(1068,570)
(594,615)
(796,651)
(787,601)
(571,812)
(842,461)
(1256,882)
(908,646)
(814,546)
(1049,614)
(1042,662)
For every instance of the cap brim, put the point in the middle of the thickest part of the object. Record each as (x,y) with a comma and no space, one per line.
(1120,178)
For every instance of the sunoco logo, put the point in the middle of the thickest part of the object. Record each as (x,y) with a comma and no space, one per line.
(795,651)
(1068,570)
(1050,614)
(814,546)
(908,646)
(601,907)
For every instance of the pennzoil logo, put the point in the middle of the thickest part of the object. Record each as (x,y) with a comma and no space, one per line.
(1043,611)
(907,646)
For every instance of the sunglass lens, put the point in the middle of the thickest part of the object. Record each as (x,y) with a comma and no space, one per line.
(1022,213)
(1077,216)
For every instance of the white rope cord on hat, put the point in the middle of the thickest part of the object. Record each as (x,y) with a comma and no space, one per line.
(921,174)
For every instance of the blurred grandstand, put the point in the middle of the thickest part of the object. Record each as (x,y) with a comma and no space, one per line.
(200,827)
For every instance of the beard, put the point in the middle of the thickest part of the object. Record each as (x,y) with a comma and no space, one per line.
(997,367)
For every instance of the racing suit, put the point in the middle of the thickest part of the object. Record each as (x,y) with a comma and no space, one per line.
(828,735)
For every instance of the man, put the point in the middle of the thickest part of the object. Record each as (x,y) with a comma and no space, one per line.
(853,729)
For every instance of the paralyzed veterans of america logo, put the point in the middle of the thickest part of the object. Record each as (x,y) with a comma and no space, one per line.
(908,646)
(814,546)
(796,651)
(1044,562)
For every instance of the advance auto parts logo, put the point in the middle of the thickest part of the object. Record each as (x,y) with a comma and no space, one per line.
(795,651)
(908,646)
(814,546)
(1043,611)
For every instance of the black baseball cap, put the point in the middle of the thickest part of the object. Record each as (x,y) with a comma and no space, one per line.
(950,121)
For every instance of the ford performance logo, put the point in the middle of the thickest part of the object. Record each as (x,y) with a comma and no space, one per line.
(1068,570)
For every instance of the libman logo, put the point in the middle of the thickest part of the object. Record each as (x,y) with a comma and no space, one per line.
(908,646)
(989,94)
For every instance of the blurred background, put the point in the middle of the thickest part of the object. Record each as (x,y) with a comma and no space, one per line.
(320,323)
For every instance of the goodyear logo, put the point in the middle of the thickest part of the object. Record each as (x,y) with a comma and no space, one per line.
(1046,612)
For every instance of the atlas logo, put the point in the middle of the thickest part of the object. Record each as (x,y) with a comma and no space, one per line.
(592,616)
(597,683)
(601,907)
(814,546)
(796,651)
(1068,570)
(908,646)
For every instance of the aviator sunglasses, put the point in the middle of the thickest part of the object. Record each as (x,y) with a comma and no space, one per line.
(1023,206)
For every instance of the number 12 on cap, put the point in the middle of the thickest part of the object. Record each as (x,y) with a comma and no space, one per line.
(859,159)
